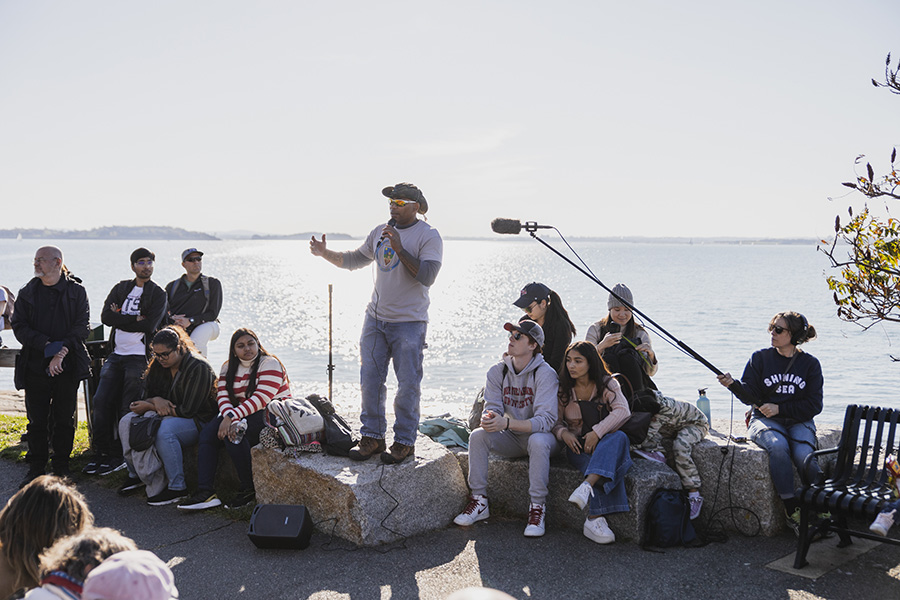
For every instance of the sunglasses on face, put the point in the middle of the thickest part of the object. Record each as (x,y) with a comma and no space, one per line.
(144,263)
(163,355)
(402,203)
(193,259)
(516,336)
(777,329)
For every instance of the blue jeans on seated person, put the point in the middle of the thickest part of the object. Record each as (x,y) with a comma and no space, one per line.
(208,452)
(610,460)
(402,343)
(785,440)
(174,434)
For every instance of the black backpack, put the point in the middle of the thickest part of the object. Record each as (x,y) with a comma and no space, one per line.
(338,437)
(669,520)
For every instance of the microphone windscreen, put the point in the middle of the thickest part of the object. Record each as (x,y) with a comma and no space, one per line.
(513,226)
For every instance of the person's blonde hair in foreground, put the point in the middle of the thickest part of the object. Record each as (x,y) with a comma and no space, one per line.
(42,512)
(131,575)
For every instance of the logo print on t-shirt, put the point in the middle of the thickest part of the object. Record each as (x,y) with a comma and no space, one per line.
(385,256)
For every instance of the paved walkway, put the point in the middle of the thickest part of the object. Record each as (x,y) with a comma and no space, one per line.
(212,558)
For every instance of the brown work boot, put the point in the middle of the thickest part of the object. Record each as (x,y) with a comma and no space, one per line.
(367,447)
(397,454)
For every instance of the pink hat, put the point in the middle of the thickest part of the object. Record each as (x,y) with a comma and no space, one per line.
(130,575)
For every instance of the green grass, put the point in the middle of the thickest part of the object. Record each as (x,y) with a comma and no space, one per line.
(12,448)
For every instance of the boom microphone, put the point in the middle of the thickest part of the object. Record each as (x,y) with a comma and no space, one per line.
(512,226)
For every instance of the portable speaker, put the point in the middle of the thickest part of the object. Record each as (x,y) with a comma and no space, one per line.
(280,526)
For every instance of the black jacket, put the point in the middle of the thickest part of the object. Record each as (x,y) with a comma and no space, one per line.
(71,324)
(153,307)
(193,302)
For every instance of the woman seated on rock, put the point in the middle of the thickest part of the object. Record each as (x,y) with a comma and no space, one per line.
(783,384)
(180,385)
(249,379)
(623,344)
(591,410)
(45,510)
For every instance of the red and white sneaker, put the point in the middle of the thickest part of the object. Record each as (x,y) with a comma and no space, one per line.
(536,513)
(475,510)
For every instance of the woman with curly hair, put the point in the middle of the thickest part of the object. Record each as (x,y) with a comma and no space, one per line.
(180,386)
(42,512)
(249,379)
(591,410)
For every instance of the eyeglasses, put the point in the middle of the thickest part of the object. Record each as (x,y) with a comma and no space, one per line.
(531,307)
(516,335)
(144,263)
(777,329)
(402,203)
(193,259)
(163,355)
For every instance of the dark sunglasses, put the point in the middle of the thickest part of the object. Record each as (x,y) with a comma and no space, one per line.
(193,259)
(516,335)
(777,329)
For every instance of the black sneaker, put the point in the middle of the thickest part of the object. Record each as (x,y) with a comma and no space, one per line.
(33,473)
(167,496)
(200,500)
(243,498)
(92,466)
(110,465)
(131,484)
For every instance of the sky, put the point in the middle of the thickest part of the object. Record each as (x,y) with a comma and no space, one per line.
(646,118)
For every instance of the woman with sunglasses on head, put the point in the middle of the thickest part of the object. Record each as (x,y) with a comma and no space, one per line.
(544,306)
(623,344)
(179,385)
(591,410)
(783,384)
(249,379)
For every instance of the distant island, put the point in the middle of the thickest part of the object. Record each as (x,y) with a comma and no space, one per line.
(303,236)
(147,232)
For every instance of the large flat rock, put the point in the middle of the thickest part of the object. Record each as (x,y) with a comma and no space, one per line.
(367,503)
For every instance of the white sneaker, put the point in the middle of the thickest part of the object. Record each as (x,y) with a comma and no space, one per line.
(536,513)
(883,523)
(582,495)
(696,504)
(597,530)
(475,510)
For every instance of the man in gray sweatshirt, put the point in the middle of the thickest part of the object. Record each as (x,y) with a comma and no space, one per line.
(520,409)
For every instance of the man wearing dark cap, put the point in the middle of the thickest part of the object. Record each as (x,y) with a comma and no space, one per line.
(520,409)
(133,311)
(195,300)
(408,253)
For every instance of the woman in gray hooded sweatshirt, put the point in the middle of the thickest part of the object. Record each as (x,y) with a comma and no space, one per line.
(520,409)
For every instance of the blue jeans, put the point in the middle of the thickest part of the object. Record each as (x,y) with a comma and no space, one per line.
(208,452)
(785,440)
(120,385)
(611,461)
(403,344)
(174,434)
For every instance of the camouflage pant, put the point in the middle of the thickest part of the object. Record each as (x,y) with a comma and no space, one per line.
(686,425)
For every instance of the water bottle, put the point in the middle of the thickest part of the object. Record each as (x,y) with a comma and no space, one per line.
(703,404)
(240,428)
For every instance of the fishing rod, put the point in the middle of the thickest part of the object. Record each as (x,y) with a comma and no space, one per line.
(330,367)
(514,227)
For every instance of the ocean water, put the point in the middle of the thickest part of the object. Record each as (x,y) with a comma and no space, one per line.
(717,299)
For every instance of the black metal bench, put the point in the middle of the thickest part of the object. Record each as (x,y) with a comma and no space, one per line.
(858,487)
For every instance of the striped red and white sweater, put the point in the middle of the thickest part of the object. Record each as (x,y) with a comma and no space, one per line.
(272,382)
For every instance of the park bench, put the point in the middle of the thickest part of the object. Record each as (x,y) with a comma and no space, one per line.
(858,487)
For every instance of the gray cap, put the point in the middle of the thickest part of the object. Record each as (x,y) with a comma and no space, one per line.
(407,191)
(188,252)
(529,328)
(622,292)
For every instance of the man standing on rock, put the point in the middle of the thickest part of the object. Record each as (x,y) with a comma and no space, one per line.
(51,321)
(195,300)
(408,253)
(133,311)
